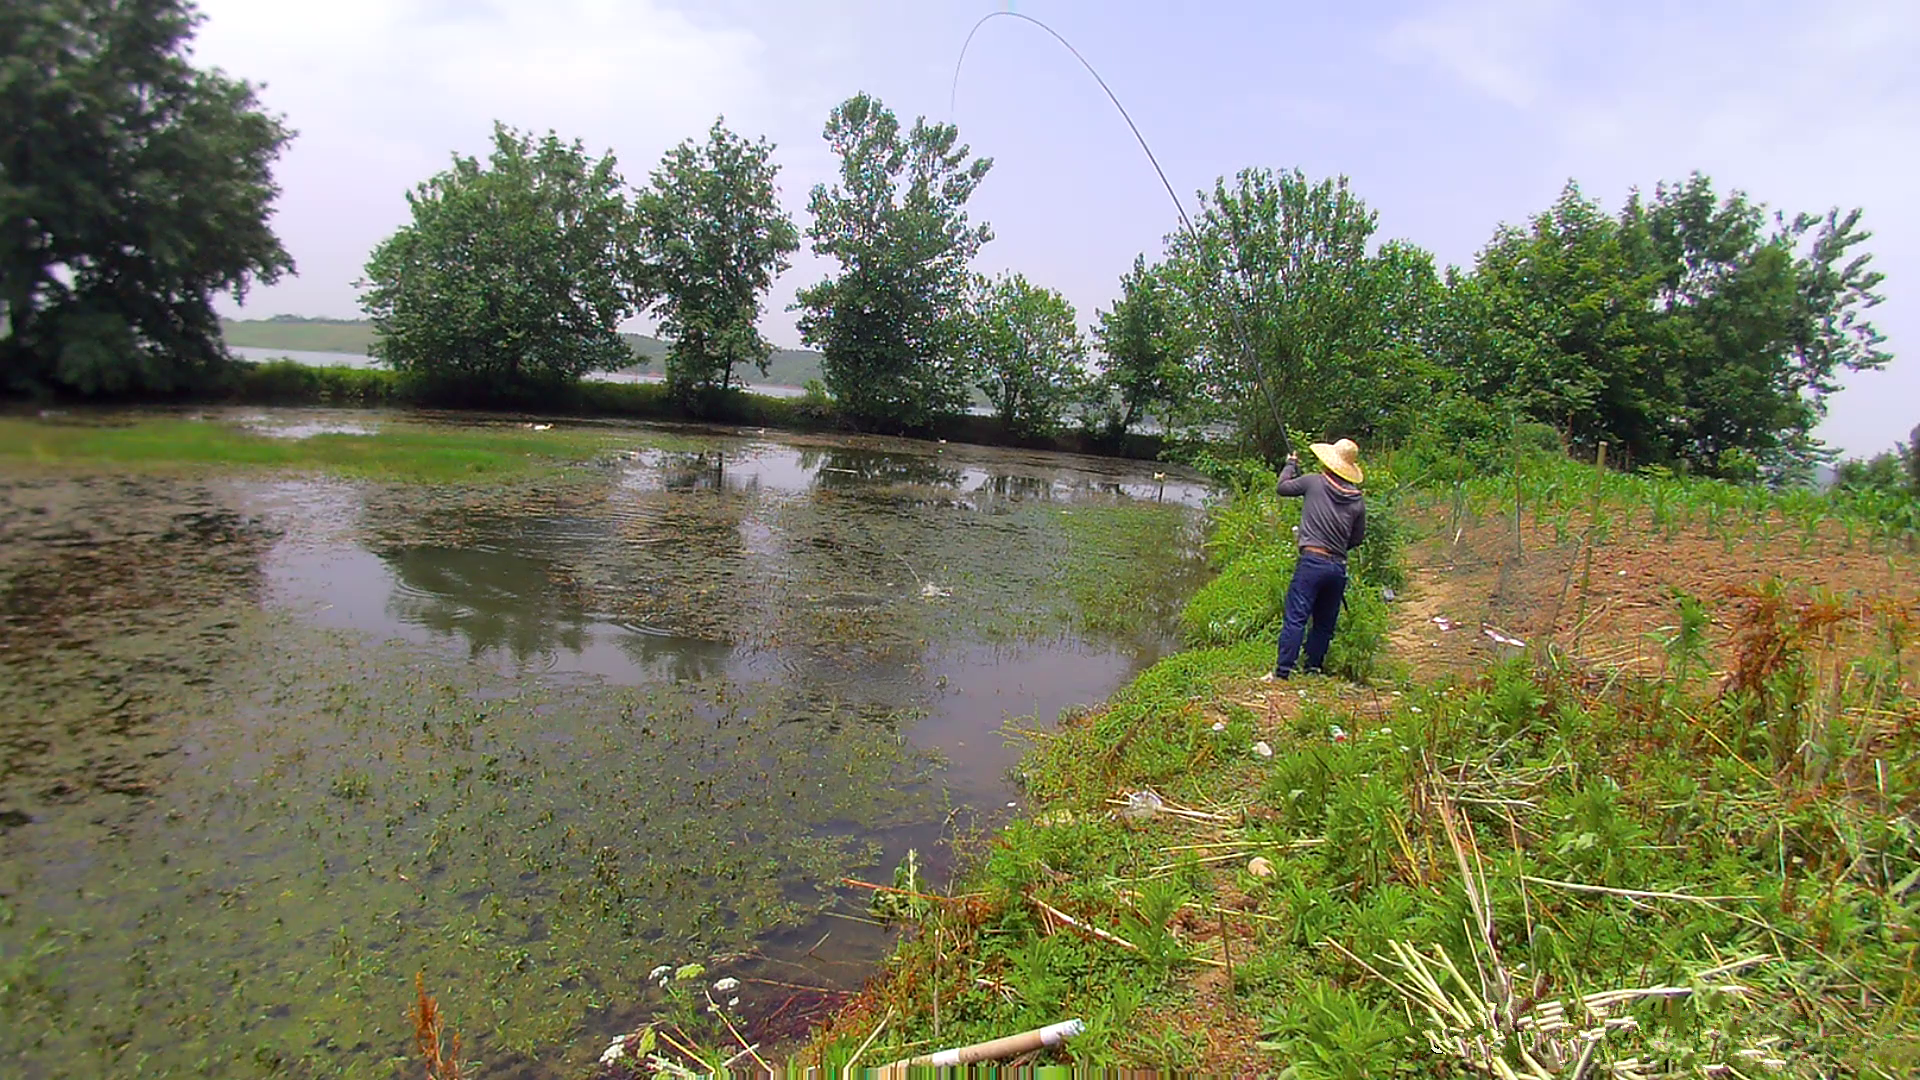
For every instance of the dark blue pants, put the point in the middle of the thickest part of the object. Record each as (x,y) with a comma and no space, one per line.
(1315,592)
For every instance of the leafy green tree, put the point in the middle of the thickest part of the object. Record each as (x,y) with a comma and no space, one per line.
(1689,329)
(1554,318)
(1394,375)
(1146,348)
(892,326)
(1892,471)
(1913,460)
(714,237)
(1289,307)
(1027,354)
(133,189)
(1757,322)
(513,277)
(1885,471)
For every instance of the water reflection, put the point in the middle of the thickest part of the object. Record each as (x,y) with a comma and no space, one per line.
(849,469)
(914,590)
(999,492)
(496,601)
(680,659)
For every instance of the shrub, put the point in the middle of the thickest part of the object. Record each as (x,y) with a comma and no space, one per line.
(1243,602)
(284,382)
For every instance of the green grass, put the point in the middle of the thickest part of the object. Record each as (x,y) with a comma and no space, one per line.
(286,382)
(399,452)
(1782,806)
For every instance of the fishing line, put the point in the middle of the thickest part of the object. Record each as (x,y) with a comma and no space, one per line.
(1247,359)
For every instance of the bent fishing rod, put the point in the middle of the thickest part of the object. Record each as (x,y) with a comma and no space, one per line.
(1241,336)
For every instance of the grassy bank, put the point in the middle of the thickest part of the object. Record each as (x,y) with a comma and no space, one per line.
(399,452)
(288,383)
(1537,868)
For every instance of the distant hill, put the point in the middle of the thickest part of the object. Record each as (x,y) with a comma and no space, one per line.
(787,367)
(302,335)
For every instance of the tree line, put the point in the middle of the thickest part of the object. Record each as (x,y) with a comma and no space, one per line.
(1690,328)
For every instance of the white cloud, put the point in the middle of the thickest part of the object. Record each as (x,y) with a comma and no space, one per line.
(382,93)
(611,66)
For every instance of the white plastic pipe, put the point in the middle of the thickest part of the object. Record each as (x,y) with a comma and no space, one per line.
(1005,1046)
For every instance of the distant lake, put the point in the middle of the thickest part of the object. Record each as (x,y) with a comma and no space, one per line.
(359,360)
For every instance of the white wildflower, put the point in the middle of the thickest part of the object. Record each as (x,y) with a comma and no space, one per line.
(726,984)
(659,974)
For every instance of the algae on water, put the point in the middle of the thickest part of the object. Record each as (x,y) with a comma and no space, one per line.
(254,791)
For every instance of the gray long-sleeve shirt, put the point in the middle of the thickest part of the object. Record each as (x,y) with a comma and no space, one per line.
(1334,517)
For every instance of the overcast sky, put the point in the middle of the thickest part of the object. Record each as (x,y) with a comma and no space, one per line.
(1450,117)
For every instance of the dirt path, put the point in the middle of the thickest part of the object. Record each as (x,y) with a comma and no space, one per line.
(1607,603)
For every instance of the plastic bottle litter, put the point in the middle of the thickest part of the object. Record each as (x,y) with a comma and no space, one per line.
(1143,804)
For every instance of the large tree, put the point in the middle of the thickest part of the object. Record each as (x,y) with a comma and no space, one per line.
(1554,319)
(1027,354)
(1685,329)
(513,277)
(1296,320)
(1146,348)
(892,326)
(714,237)
(134,188)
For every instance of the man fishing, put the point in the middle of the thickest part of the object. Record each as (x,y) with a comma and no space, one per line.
(1333,521)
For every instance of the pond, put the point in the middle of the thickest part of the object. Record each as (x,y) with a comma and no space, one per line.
(276,742)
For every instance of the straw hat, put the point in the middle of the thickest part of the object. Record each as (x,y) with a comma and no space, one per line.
(1342,459)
